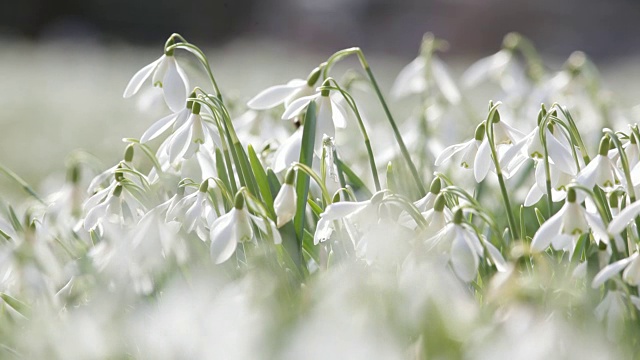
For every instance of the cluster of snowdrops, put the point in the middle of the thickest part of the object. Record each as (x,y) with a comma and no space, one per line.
(224,221)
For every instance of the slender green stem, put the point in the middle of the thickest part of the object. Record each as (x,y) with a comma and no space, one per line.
(307,170)
(363,130)
(365,65)
(493,115)
(25,186)
(203,59)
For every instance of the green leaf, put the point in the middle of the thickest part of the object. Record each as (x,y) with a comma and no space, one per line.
(262,181)
(358,185)
(302,182)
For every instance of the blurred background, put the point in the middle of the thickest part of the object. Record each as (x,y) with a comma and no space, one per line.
(65,63)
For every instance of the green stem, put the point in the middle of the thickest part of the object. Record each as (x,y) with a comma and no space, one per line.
(494,155)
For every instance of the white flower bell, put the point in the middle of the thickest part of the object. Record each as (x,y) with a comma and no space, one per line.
(285,202)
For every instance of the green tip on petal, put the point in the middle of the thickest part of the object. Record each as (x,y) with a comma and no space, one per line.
(195,109)
(436,185)
(204,186)
(457,217)
(128,153)
(117,191)
(313,76)
(239,201)
(603,149)
(480,130)
(290,177)
(439,203)
(74,174)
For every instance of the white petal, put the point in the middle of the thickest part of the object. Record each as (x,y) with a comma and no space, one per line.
(589,174)
(609,271)
(158,128)
(339,115)
(223,238)
(271,97)
(627,215)
(410,79)
(533,196)
(498,259)
(343,208)
(95,214)
(632,273)
(136,81)
(444,81)
(449,151)
(174,86)
(267,226)
(463,258)
(296,107)
(484,68)
(179,142)
(288,152)
(548,231)
(482,162)
(560,155)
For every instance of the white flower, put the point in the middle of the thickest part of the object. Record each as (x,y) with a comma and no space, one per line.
(195,211)
(329,115)
(413,79)
(167,74)
(115,204)
(469,150)
(276,95)
(601,170)
(627,215)
(288,152)
(464,248)
(559,180)
(285,202)
(562,229)
(631,274)
(357,217)
(531,148)
(176,119)
(613,310)
(235,227)
(194,132)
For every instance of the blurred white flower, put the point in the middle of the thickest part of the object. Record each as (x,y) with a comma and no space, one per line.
(236,227)
(414,79)
(195,211)
(167,74)
(613,311)
(631,274)
(357,216)
(115,204)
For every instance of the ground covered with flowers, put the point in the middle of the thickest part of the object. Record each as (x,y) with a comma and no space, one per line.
(306,221)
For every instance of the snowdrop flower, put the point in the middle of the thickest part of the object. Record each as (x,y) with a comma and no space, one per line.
(414,78)
(235,227)
(423,205)
(385,242)
(167,74)
(195,212)
(531,147)
(613,310)
(631,273)
(288,152)
(627,215)
(464,248)
(285,201)
(177,119)
(191,134)
(563,229)
(437,217)
(468,149)
(329,115)
(601,170)
(115,204)
(559,181)
(276,95)
(492,67)
(357,217)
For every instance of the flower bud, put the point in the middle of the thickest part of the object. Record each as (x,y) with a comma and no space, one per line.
(285,203)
